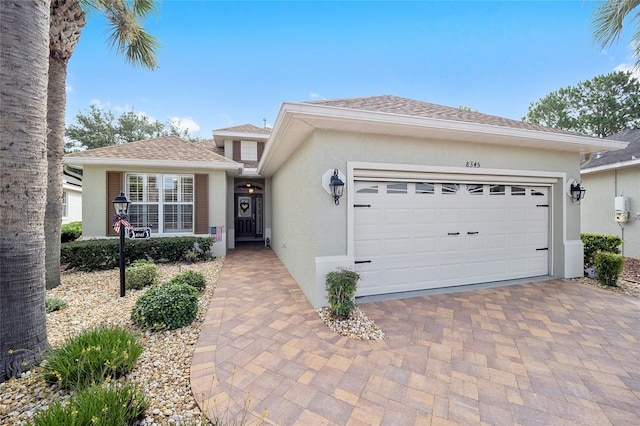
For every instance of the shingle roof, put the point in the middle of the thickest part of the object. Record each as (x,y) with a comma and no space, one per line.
(166,148)
(403,106)
(631,152)
(246,128)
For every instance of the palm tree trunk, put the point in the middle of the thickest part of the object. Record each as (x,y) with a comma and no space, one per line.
(57,99)
(67,20)
(24,44)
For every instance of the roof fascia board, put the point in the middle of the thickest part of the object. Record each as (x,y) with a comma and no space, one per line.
(289,110)
(267,165)
(612,166)
(340,113)
(84,161)
(242,135)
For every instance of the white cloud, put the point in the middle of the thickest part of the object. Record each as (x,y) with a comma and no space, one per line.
(635,71)
(185,123)
(316,97)
(68,88)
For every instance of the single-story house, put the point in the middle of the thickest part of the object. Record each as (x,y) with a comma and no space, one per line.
(71,199)
(434,196)
(613,182)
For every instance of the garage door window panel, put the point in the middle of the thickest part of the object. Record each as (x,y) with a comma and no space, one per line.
(475,189)
(423,188)
(450,188)
(397,188)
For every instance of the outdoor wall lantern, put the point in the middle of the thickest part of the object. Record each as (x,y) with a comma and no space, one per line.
(120,221)
(575,190)
(337,187)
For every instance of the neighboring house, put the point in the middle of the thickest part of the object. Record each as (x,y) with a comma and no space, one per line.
(611,175)
(434,196)
(71,199)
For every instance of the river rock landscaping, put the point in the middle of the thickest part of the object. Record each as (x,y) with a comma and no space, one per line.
(163,368)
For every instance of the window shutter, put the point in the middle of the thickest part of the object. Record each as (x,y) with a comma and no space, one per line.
(237,154)
(260,150)
(114,188)
(201,207)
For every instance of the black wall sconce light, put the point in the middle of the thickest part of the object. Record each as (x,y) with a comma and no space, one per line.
(575,190)
(337,187)
(333,181)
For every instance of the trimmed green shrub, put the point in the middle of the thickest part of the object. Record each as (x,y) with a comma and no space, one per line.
(104,405)
(608,267)
(70,231)
(141,273)
(193,278)
(52,304)
(92,357)
(341,286)
(593,243)
(96,255)
(166,307)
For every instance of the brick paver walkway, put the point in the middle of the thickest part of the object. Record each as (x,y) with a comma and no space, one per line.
(548,353)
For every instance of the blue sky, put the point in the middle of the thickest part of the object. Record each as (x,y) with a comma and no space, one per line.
(228,63)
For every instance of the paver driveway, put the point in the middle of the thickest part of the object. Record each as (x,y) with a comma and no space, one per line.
(553,352)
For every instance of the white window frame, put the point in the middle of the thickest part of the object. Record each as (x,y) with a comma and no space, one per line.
(65,204)
(184,198)
(248,151)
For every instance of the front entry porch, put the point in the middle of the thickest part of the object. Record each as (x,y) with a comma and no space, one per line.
(249,212)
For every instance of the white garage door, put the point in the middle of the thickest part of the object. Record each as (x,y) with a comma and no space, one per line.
(420,235)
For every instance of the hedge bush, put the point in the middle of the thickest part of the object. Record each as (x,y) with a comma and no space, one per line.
(608,267)
(141,273)
(193,278)
(341,286)
(593,243)
(95,255)
(166,307)
(70,231)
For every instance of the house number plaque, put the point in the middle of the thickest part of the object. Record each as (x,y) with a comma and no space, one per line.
(473,164)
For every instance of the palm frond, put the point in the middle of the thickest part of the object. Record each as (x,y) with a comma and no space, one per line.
(127,35)
(609,19)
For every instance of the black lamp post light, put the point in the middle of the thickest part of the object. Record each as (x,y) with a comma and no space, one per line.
(120,222)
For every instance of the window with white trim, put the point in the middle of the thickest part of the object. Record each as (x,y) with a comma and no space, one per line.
(162,202)
(65,204)
(249,151)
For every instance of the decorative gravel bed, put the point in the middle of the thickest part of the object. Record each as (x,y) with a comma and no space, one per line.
(628,282)
(163,369)
(357,326)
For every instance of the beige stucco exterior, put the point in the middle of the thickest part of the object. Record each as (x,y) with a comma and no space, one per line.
(94,201)
(598,210)
(294,217)
(311,234)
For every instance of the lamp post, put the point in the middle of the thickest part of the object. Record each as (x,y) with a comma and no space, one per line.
(121,220)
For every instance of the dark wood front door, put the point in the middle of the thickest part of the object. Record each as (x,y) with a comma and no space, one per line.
(248,214)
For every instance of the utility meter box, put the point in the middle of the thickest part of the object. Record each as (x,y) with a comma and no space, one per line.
(621,205)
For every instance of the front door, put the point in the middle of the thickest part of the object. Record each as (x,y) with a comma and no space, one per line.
(248,214)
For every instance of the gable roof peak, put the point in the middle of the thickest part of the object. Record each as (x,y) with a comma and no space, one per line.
(245,128)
